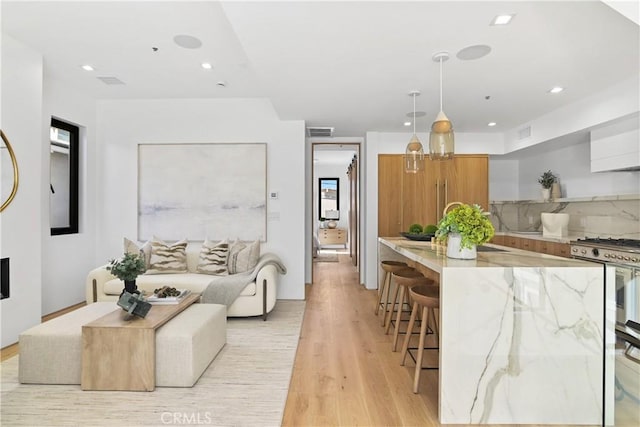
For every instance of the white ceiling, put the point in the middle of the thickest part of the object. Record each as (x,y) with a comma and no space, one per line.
(334,154)
(348,65)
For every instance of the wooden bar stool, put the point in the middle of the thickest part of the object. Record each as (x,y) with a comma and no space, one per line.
(383,294)
(426,297)
(403,279)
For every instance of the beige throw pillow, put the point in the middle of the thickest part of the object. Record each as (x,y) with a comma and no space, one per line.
(213,258)
(132,247)
(167,258)
(243,257)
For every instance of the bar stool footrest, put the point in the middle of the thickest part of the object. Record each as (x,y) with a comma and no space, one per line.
(410,349)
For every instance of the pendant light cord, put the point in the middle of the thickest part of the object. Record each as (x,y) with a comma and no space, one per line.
(440,83)
(414,113)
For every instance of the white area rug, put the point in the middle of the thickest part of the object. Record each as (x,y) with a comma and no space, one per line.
(326,258)
(245,385)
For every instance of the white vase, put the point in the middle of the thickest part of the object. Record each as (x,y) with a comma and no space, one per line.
(546,193)
(454,250)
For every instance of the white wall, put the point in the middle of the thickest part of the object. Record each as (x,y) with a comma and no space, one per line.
(122,125)
(21,232)
(66,259)
(503,179)
(573,167)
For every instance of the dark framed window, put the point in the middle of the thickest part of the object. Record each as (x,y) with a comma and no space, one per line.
(64,165)
(328,198)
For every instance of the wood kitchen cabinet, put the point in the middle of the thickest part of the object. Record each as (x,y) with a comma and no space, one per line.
(512,242)
(534,245)
(408,198)
(563,249)
(466,180)
(390,178)
(544,247)
(498,240)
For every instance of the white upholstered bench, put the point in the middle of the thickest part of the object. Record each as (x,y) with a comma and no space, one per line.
(51,353)
(188,343)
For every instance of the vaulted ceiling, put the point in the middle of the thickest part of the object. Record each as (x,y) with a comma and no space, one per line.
(348,65)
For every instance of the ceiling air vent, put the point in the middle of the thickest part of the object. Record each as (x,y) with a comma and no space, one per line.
(524,133)
(110,80)
(325,132)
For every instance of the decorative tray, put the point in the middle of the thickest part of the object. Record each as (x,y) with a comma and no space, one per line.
(154,299)
(423,237)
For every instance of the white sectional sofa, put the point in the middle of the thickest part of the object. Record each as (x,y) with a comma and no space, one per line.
(257,298)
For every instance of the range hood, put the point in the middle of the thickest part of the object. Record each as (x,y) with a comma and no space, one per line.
(616,146)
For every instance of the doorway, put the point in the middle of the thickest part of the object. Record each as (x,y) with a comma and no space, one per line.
(335,204)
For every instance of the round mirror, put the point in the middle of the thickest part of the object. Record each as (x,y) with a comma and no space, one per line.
(8,172)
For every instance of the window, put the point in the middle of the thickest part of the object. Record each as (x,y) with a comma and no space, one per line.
(329,198)
(63,198)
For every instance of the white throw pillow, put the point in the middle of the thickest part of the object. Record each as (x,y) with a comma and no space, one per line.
(132,247)
(243,258)
(213,258)
(167,258)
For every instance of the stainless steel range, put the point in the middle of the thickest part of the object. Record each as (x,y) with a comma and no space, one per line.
(624,255)
(619,251)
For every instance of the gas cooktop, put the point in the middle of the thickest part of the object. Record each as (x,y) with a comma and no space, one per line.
(618,243)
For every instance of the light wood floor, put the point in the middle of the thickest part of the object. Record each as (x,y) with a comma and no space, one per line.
(345,373)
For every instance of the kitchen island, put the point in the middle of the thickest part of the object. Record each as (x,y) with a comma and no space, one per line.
(522,335)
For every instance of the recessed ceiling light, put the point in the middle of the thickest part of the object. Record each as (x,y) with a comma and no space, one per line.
(491,124)
(502,19)
(206,66)
(407,123)
(87,67)
(556,89)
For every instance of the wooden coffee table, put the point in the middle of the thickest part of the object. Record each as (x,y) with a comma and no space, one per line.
(119,352)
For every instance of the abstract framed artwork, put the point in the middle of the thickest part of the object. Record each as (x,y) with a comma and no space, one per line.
(200,191)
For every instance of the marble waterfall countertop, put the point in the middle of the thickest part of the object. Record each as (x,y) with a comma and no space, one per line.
(489,255)
(522,335)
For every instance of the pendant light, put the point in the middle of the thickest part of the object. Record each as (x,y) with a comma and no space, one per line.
(414,154)
(441,140)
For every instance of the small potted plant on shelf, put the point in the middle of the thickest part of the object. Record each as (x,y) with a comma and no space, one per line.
(547,179)
(127,269)
(464,227)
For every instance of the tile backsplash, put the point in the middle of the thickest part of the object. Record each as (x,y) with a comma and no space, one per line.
(611,216)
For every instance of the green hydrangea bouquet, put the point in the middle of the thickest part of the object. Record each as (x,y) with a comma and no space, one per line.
(470,222)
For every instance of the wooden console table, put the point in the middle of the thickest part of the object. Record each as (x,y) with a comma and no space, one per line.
(332,236)
(119,352)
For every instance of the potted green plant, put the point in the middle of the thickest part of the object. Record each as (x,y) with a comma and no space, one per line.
(127,269)
(547,179)
(464,227)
